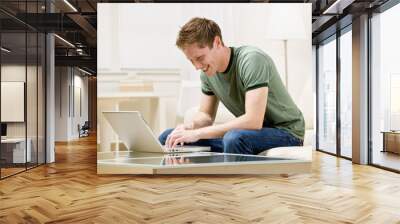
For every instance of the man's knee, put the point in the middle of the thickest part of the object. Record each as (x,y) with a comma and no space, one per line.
(233,141)
(163,137)
(232,136)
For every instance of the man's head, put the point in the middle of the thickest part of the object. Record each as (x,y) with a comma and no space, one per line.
(201,41)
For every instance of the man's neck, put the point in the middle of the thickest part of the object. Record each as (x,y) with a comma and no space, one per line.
(225,59)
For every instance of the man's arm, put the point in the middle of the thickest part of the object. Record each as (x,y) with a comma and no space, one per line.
(207,111)
(255,106)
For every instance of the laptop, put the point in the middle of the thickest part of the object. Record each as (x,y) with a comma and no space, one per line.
(134,132)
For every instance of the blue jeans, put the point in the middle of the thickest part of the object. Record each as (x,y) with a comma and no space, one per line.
(240,141)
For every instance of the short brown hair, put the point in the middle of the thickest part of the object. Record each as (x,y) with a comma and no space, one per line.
(198,30)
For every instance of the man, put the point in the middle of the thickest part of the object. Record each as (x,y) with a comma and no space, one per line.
(246,81)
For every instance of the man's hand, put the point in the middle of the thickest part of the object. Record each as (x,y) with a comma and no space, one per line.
(180,127)
(181,137)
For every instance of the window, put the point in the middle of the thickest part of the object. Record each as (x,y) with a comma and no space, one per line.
(22,75)
(327,96)
(385,88)
(334,138)
(346,93)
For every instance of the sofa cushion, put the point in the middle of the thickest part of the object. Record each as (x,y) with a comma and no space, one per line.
(291,152)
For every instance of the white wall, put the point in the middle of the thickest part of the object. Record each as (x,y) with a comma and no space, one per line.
(79,115)
(61,103)
(69,85)
(12,101)
(300,77)
(136,40)
(85,98)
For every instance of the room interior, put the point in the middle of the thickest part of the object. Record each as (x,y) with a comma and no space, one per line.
(61,67)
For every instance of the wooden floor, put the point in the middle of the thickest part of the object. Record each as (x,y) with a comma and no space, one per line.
(5,172)
(70,191)
(10,171)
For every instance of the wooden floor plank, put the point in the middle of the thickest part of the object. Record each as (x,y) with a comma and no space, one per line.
(70,191)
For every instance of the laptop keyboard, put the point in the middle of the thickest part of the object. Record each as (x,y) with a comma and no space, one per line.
(180,148)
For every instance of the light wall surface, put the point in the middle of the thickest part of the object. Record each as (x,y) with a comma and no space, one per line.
(71,102)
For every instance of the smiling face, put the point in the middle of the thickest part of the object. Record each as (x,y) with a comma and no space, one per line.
(205,58)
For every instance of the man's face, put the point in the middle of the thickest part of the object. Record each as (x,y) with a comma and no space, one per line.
(203,58)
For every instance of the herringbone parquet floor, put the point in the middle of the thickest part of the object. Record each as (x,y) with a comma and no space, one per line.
(70,191)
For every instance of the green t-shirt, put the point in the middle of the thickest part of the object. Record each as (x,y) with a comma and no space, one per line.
(250,68)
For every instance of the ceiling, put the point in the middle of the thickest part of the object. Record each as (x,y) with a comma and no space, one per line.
(76,22)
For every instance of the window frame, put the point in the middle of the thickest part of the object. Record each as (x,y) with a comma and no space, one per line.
(334,37)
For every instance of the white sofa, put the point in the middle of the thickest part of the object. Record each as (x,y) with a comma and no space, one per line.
(297,152)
